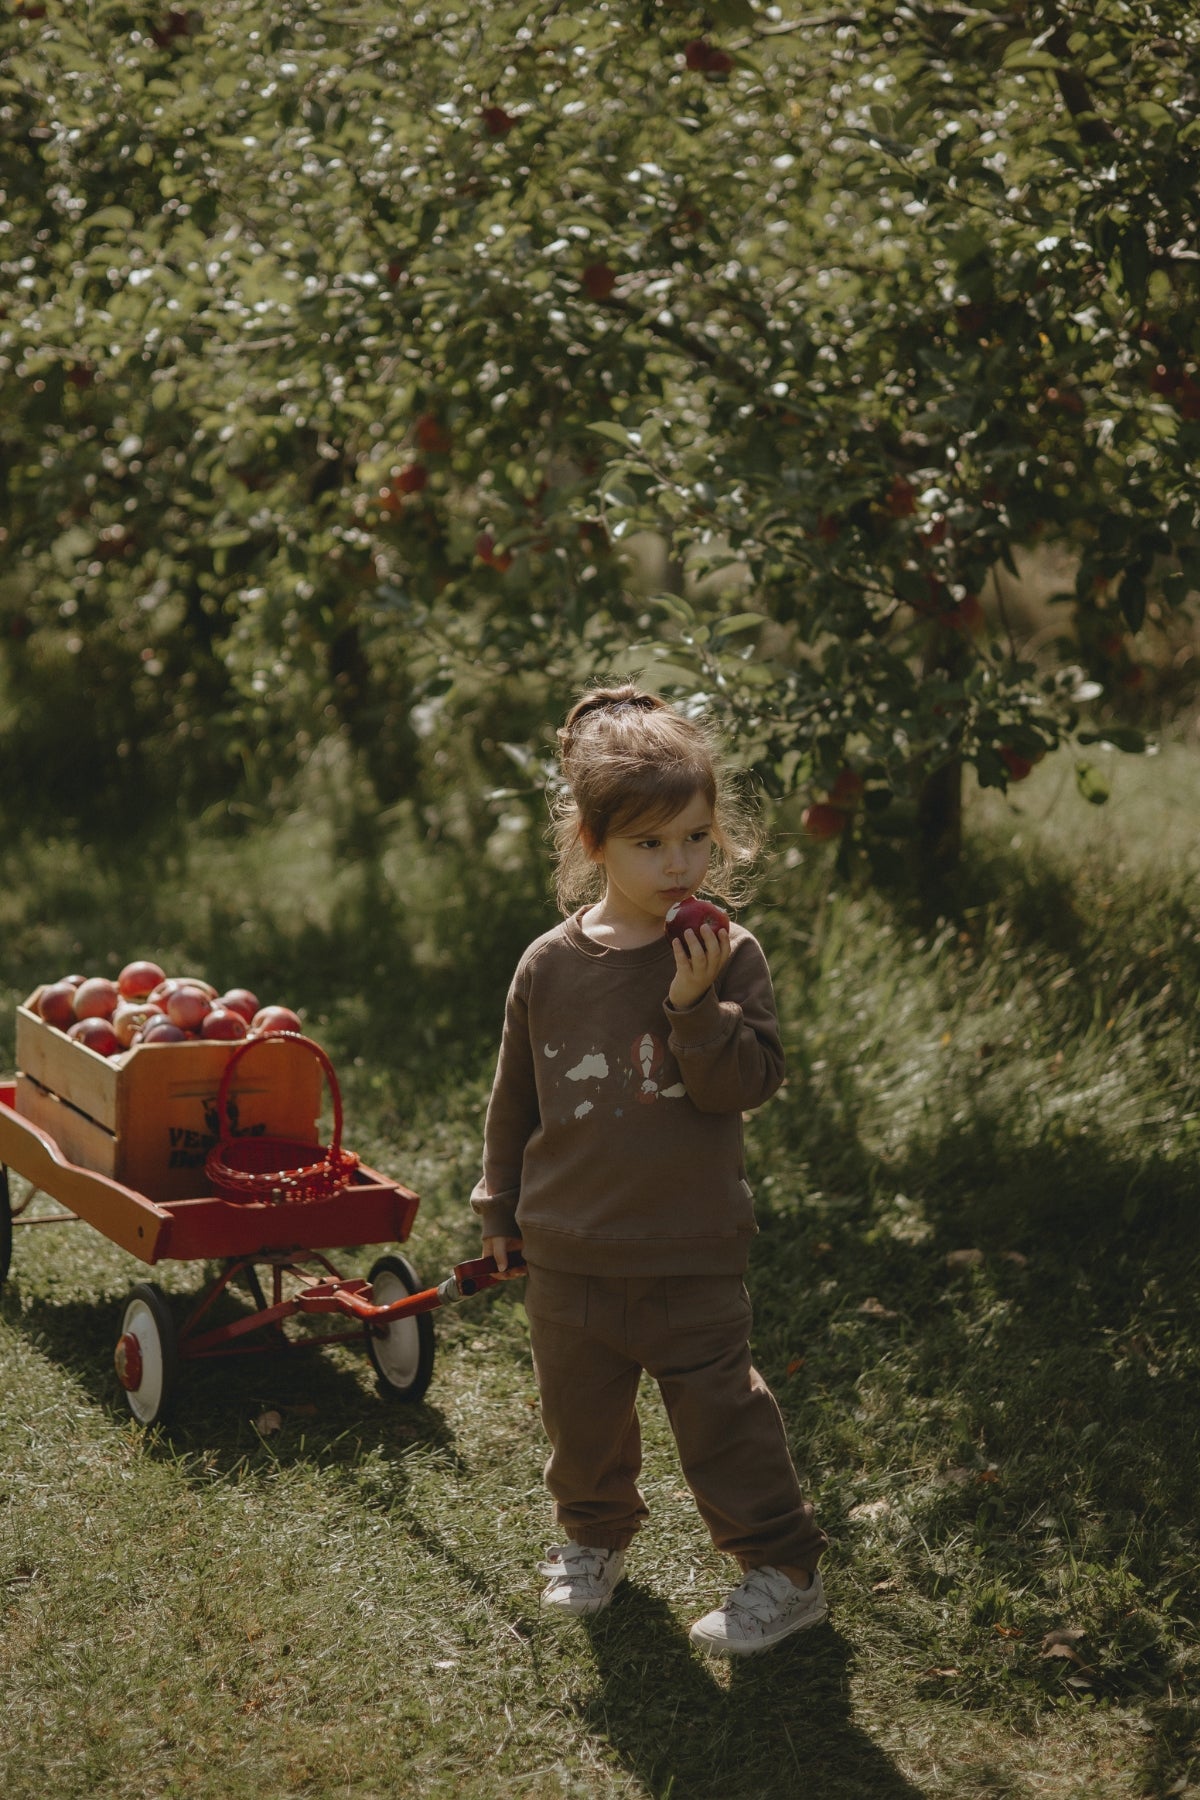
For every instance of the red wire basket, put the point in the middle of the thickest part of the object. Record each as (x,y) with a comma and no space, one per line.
(278,1168)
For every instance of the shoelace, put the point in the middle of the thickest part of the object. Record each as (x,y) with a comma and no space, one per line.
(758,1596)
(573,1562)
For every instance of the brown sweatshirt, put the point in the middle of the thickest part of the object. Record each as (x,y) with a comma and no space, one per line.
(613,1143)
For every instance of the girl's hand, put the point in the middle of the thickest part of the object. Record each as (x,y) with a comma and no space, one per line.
(498,1248)
(699,958)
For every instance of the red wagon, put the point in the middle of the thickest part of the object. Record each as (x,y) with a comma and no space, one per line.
(271,1233)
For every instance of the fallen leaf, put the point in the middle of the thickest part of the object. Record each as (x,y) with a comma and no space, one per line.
(958,1477)
(796,1364)
(1064,1634)
(948,1674)
(872,1308)
(986,1476)
(885,1587)
(870,1509)
(1008,1631)
(1065,1651)
(964,1259)
(822,1249)
(1014,1257)
(268,1422)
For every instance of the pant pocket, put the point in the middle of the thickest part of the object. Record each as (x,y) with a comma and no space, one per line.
(555,1297)
(694,1301)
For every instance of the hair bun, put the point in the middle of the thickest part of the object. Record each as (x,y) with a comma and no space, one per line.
(607,700)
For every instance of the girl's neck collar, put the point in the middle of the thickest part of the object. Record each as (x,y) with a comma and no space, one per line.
(655,949)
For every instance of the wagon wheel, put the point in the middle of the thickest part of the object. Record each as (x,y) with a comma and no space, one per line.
(6,1227)
(146,1356)
(401,1351)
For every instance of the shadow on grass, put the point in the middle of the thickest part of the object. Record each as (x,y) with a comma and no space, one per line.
(330,1415)
(783,1725)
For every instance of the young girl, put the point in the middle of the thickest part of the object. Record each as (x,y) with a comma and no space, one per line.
(613,1158)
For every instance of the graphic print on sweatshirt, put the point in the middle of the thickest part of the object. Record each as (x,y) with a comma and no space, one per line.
(639,1078)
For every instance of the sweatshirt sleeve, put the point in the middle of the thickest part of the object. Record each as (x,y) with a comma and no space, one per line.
(512,1117)
(727,1045)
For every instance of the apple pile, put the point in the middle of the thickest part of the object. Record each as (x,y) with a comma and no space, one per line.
(145,1006)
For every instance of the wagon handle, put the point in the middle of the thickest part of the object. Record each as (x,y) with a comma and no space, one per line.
(292,1037)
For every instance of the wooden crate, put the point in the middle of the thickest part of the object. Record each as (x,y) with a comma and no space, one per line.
(148,1118)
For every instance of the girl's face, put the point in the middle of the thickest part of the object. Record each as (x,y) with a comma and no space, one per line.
(647,871)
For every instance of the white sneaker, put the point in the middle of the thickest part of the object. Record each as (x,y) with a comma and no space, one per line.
(763,1608)
(581,1577)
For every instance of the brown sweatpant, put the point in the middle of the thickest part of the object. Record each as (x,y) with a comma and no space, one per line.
(592,1336)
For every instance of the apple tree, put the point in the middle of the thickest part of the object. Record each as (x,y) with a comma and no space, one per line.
(348,353)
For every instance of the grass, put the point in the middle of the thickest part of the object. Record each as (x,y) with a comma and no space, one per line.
(975,1298)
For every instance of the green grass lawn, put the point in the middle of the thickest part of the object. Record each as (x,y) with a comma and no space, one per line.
(975,1291)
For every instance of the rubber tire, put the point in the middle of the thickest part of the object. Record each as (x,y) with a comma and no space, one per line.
(149,1317)
(6,1227)
(403,1359)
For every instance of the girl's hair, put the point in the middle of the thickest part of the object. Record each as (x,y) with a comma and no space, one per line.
(631,761)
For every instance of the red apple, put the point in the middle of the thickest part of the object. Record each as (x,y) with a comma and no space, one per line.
(496,122)
(188,1007)
(96,999)
(131,1018)
(431,435)
(270,1019)
(161,1031)
(138,979)
(95,1034)
(240,1000)
(56,1004)
(486,551)
(690,915)
(598,281)
(901,500)
(823,822)
(1019,767)
(846,791)
(222,1022)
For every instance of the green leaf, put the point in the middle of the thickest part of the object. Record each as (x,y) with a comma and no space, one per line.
(616,434)
(1121,737)
(675,607)
(739,622)
(118,218)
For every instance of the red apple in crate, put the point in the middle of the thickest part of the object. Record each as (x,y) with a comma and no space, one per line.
(188,1007)
(164,989)
(137,980)
(96,1034)
(131,1018)
(240,1000)
(161,1031)
(222,1022)
(275,1018)
(56,1004)
(96,998)
(690,915)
